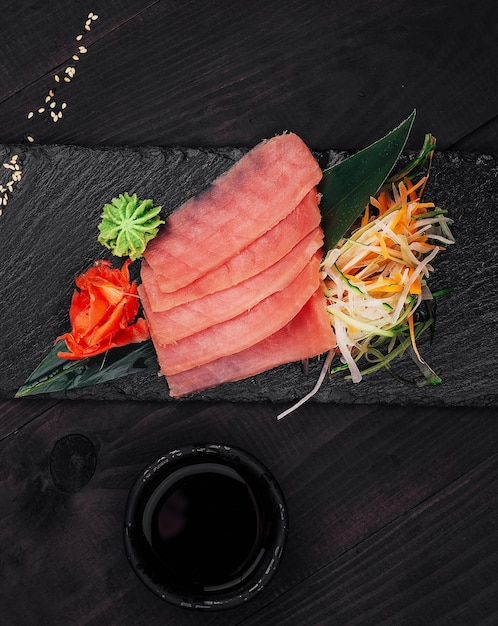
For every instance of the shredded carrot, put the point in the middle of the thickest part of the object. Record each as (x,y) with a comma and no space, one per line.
(376,277)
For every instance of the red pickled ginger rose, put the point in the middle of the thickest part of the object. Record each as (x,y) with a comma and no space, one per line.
(103,312)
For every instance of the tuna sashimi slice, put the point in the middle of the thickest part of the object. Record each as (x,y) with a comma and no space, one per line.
(308,334)
(240,332)
(192,317)
(255,258)
(258,191)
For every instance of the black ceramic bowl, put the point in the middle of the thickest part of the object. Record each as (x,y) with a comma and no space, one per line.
(205,527)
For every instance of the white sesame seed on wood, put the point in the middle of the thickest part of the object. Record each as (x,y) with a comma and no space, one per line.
(30,115)
(30,138)
(79,37)
(57,78)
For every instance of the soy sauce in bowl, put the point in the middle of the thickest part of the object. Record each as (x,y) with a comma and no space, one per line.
(205,527)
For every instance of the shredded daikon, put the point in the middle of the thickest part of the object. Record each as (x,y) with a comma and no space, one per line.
(376,278)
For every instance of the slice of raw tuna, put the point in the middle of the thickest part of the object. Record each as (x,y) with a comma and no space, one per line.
(238,333)
(308,334)
(192,317)
(256,257)
(189,318)
(258,191)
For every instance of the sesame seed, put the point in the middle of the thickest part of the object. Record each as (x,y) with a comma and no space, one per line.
(66,79)
(14,158)
(57,79)
(87,26)
(75,57)
(82,50)
(79,37)
(1,211)
(30,115)
(95,17)
(2,189)
(59,114)
(90,15)
(10,185)
(8,166)
(51,93)
(41,110)
(47,99)
(63,105)
(52,105)
(30,138)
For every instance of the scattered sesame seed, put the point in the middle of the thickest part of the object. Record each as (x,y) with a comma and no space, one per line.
(30,138)
(51,93)
(30,115)
(94,17)
(8,166)
(66,79)
(52,105)
(90,15)
(57,78)
(63,105)
(47,99)
(59,114)
(2,189)
(41,110)
(10,185)
(82,50)
(79,37)
(1,211)
(14,158)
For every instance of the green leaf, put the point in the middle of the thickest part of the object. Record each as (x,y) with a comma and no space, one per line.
(55,374)
(346,187)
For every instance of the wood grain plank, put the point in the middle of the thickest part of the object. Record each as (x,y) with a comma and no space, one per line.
(14,414)
(42,38)
(347,473)
(181,73)
(436,564)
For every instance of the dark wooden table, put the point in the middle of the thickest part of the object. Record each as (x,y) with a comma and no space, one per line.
(393,508)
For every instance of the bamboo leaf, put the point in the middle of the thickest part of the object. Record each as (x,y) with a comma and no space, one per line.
(55,374)
(346,187)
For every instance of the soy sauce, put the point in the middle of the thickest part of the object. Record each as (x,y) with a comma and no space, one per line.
(205,527)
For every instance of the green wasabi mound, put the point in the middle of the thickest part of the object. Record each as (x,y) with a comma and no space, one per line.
(128,224)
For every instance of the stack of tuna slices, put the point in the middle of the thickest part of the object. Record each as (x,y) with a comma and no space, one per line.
(231,285)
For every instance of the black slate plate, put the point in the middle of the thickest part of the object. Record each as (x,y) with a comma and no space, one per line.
(48,233)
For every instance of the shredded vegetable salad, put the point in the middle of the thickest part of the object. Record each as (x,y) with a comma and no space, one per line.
(375,279)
